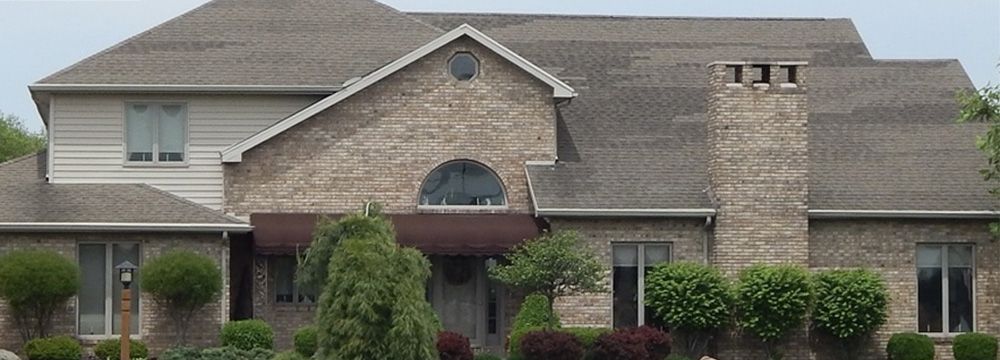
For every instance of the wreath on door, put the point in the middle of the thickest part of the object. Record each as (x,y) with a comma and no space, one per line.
(457,270)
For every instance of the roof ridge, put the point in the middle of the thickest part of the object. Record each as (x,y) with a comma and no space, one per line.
(123,42)
(22,158)
(182,200)
(622,16)
(408,16)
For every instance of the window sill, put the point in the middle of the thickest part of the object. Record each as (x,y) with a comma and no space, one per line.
(942,337)
(98,338)
(463,209)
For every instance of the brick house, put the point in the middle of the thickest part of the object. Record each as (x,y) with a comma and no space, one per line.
(232,128)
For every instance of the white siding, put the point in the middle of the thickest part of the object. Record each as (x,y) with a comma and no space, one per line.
(88,137)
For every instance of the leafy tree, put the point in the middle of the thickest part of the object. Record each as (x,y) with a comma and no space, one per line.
(313,269)
(771,301)
(983,106)
(554,264)
(850,305)
(35,284)
(182,282)
(373,304)
(16,140)
(694,300)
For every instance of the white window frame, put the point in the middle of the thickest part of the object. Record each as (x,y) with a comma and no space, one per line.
(156,135)
(641,254)
(945,308)
(108,293)
(272,265)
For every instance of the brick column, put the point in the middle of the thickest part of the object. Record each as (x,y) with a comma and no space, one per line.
(758,172)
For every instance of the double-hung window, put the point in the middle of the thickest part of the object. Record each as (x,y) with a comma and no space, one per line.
(99,301)
(285,289)
(156,133)
(631,263)
(945,288)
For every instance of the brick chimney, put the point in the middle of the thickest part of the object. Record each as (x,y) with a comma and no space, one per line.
(758,163)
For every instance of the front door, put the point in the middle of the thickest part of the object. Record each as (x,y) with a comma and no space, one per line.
(466,301)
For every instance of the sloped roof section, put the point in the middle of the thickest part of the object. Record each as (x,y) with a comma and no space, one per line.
(258,42)
(30,203)
(882,135)
(235,152)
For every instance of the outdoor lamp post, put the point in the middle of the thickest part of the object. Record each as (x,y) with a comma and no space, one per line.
(126,271)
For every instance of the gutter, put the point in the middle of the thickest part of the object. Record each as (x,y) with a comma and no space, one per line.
(142,88)
(126,227)
(664,213)
(903,214)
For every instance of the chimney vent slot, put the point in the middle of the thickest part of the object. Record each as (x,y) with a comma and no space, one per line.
(789,74)
(761,74)
(734,73)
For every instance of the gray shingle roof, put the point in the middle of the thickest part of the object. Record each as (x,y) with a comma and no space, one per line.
(258,42)
(27,198)
(882,135)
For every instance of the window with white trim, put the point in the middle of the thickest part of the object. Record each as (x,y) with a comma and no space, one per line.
(945,288)
(155,133)
(631,263)
(286,291)
(99,301)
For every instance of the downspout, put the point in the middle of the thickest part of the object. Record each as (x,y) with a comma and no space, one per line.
(227,277)
(707,241)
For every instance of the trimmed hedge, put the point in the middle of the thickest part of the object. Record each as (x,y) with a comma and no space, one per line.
(587,335)
(641,343)
(694,300)
(247,335)
(36,284)
(181,353)
(112,349)
(290,355)
(550,345)
(453,346)
(974,346)
(305,340)
(535,312)
(910,346)
(53,348)
(487,356)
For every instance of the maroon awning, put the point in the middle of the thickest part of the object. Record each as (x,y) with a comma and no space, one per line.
(445,234)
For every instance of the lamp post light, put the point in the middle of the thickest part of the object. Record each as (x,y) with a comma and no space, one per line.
(126,271)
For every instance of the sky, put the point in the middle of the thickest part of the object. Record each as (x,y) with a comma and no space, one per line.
(39,37)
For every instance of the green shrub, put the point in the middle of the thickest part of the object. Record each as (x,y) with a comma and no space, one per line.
(374,303)
(850,305)
(35,284)
(232,353)
(289,355)
(248,335)
(112,348)
(53,348)
(182,282)
(586,335)
(305,340)
(487,356)
(181,353)
(535,312)
(772,300)
(694,300)
(514,345)
(975,346)
(910,346)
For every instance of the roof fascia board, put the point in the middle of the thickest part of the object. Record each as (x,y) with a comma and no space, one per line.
(904,214)
(234,153)
(126,227)
(626,212)
(142,88)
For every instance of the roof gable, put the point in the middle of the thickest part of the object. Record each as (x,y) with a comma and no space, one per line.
(560,89)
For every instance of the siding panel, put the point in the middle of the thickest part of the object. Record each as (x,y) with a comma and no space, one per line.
(88,148)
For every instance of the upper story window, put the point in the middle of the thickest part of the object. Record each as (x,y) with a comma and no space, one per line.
(156,133)
(463,66)
(462,183)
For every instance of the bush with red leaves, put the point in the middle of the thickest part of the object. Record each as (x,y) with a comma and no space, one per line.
(453,346)
(641,343)
(550,345)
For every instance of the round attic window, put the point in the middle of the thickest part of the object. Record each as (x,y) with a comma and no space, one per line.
(463,66)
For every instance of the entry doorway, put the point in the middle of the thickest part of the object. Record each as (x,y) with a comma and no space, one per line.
(467,301)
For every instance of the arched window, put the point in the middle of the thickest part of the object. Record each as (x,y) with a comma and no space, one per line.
(462,183)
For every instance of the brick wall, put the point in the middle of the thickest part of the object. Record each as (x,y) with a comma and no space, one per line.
(156,329)
(889,247)
(380,143)
(687,237)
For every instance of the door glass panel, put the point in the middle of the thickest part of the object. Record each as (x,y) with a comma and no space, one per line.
(960,299)
(121,253)
(653,255)
(930,309)
(929,256)
(92,289)
(625,277)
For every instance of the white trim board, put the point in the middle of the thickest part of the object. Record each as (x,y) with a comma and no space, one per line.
(144,88)
(903,214)
(128,227)
(235,152)
(626,212)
